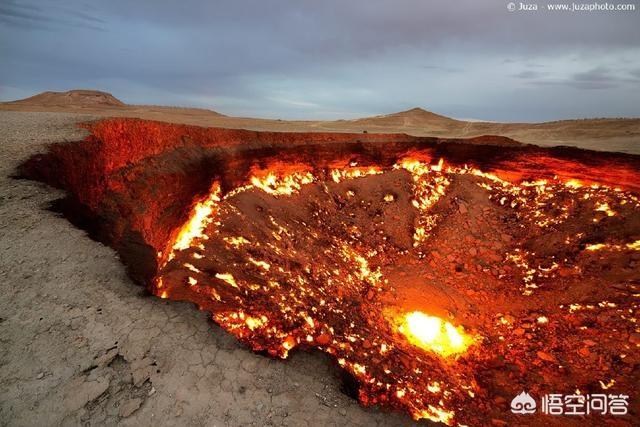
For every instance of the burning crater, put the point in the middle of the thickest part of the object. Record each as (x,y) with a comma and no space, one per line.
(446,276)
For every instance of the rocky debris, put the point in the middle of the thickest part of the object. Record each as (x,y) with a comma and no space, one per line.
(141,370)
(129,407)
(81,391)
(546,356)
(106,358)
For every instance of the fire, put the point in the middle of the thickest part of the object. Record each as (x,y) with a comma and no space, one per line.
(434,334)
(319,281)
(286,185)
(201,215)
(339,175)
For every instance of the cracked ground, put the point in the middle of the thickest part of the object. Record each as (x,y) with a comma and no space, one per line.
(80,343)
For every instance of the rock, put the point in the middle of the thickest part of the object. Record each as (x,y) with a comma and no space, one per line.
(40,376)
(323,339)
(584,352)
(565,271)
(107,358)
(509,318)
(129,407)
(497,422)
(634,338)
(462,208)
(82,392)
(546,356)
(141,371)
(371,294)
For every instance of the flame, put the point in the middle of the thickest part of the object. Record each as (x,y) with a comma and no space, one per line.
(282,185)
(198,220)
(226,277)
(435,414)
(604,207)
(595,246)
(339,175)
(434,334)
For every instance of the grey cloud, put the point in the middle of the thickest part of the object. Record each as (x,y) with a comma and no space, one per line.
(442,68)
(595,78)
(20,15)
(285,57)
(529,74)
(598,74)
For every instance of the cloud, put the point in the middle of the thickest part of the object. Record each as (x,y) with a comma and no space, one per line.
(529,74)
(26,15)
(288,58)
(596,78)
(442,68)
(597,74)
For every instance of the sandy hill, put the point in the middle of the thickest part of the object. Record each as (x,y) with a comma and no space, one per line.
(78,97)
(409,118)
(597,134)
(98,103)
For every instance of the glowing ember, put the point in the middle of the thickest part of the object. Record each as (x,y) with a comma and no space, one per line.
(434,334)
(310,273)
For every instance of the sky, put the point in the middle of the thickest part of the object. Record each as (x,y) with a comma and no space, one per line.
(329,59)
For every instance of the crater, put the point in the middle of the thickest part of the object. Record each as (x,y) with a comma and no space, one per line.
(444,276)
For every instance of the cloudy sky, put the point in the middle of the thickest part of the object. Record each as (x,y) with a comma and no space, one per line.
(328,59)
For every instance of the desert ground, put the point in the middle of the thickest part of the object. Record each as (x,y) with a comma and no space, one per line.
(622,135)
(83,344)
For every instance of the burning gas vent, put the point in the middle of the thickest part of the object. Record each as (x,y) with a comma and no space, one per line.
(445,276)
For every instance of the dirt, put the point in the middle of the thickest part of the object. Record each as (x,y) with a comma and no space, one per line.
(83,344)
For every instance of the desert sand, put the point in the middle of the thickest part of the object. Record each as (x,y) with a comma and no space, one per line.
(621,134)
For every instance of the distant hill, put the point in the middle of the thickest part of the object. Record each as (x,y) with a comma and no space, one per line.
(416,118)
(413,117)
(77,97)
